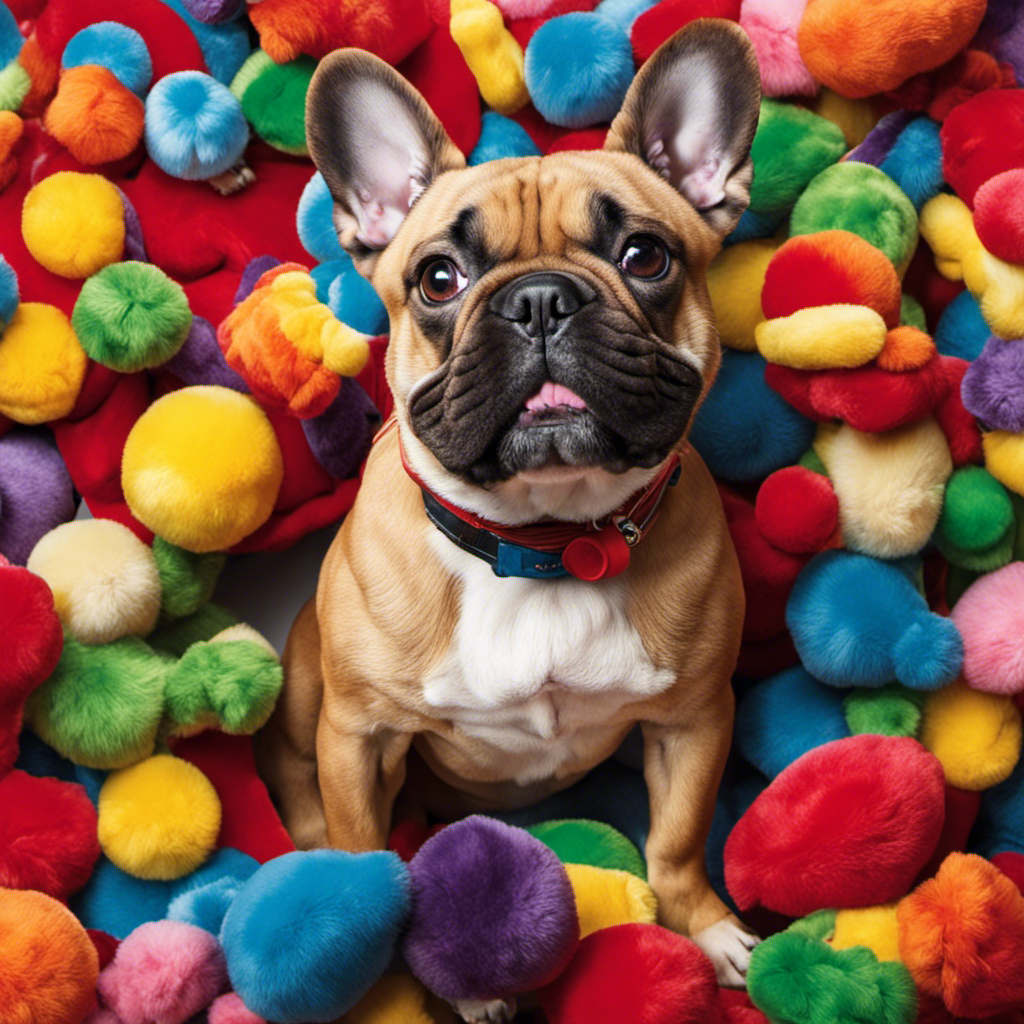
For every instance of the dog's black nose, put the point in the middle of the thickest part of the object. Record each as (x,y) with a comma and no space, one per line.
(540,303)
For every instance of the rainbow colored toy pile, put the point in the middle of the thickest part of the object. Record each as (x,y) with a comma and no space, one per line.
(185,347)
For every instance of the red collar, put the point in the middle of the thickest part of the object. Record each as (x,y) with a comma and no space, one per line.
(588,551)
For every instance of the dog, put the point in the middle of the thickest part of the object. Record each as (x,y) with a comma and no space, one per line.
(551,340)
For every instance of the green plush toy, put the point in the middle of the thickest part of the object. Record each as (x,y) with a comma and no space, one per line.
(977,529)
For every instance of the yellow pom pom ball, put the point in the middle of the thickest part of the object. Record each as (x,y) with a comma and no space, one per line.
(395,999)
(104,580)
(158,819)
(976,736)
(735,280)
(606,896)
(73,223)
(822,337)
(202,468)
(42,365)
(1004,458)
(874,927)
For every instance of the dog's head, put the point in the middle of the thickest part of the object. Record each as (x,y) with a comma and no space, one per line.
(549,316)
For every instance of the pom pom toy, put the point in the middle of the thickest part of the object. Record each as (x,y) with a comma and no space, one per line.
(130,316)
(735,279)
(772,28)
(873,927)
(273,99)
(8,294)
(888,631)
(35,492)
(999,215)
(993,387)
(528,932)
(605,898)
(104,579)
(310,933)
(164,971)
(977,527)
(669,978)
(590,842)
(960,935)
(50,964)
(871,814)
(229,1009)
(491,52)
(501,137)
(208,503)
(116,47)
(159,818)
(989,617)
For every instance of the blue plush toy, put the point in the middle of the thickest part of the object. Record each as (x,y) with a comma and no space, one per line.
(745,430)
(859,621)
(118,48)
(501,137)
(915,161)
(9,296)
(962,330)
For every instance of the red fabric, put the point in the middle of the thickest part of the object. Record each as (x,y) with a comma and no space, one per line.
(961,811)
(928,286)
(48,835)
(408,836)
(961,428)
(99,382)
(982,138)
(640,973)
(1011,864)
(797,510)
(249,822)
(768,572)
(848,824)
(440,73)
(654,26)
(868,398)
(738,1009)
(171,43)
(967,74)
(106,945)
(542,132)
(999,215)
(585,138)
(31,641)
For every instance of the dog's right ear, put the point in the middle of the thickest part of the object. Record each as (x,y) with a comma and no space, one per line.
(378,146)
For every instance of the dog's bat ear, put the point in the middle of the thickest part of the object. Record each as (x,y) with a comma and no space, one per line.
(691,114)
(377,144)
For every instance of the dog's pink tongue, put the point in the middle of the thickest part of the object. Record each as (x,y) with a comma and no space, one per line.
(552,394)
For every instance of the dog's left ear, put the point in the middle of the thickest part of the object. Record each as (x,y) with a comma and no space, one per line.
(378,145)
(691,114)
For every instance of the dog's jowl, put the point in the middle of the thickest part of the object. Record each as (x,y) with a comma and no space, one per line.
(536,561)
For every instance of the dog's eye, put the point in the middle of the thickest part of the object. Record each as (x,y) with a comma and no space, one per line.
(441,280)
(645,257)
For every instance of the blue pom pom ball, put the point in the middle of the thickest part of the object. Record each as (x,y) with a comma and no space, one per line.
(501,137)
(9,297)
(116,47)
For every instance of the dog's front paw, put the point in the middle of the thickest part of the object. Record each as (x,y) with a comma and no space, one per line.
(727,945)
(480,1011)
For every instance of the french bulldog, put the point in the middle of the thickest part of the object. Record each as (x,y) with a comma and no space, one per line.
(551,340)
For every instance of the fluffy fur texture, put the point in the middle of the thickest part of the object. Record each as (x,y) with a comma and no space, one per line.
(858,621)
(873,927)
(206,906)
(822,337)
(1000,824)
(906,348)
(830,267)
(772,28)
(792,147)
(1004,458)
(999,215)
(735,279)
(158,819)
(199,497)
(30,648)
(977,523)
(274,104)
(340,437)
(892,710)
(315,223)
(993,387)
(795,977)
(42,365)
(35,492)
(915,161)
(889,485)
(49,964)
(849,824)
(859,52)
(861,199)
(982,138)
(797,510)
(493,912)
(606,897)
(639,973)
(104,579)
(654,26)
(130,316)
(500,137)
(961,933)
(195,127)
(187,580)
(116,47)
(395,999)
(785,716)
(9,297)
(94,116)
(976,736)
(102,706)
(164,972)
(229,1009)
(578,68)
(491,52)
(961,330)
(743,430)
(990,617)
(47,835)
(581,841)
(310,933)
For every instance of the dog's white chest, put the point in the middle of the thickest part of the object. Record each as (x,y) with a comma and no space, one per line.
(537,668)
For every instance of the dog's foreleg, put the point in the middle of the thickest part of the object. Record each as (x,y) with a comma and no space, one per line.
(683,767)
